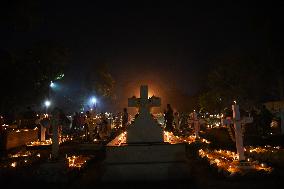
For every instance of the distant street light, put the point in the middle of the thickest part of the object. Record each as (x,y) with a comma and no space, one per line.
(47,103)
(93,102)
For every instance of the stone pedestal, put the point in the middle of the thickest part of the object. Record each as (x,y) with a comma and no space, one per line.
(145,162)
(17,138)
(55,142)
(196,125)
(53,172)
(246,166)
(144,129)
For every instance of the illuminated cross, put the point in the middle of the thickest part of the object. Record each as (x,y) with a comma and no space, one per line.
(238,130)
(144,103)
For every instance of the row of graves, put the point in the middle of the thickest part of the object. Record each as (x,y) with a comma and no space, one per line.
(23,150)
(145,152)
(58,159)
(15,135)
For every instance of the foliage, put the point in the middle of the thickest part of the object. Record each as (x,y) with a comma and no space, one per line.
(263,120)
(239,78)
(99,81)
(28,73)
(219,137)
(210,102)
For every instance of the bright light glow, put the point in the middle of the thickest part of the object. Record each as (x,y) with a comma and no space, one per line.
(52,85)
(77,161)
(93,100)
(47,103)
(14,164)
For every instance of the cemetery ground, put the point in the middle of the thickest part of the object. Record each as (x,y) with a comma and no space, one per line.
(193,157)
(203,175)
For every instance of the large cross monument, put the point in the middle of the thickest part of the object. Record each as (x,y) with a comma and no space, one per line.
(144,156)
(144,129)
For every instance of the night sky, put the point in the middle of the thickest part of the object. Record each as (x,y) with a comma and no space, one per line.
(169,46)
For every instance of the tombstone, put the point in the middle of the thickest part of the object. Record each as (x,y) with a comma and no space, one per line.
(143,155)
(55,138)
(146,128)
(44,122)
(176,121)
(196,125)
(42,133)
(227,123)
(238,130)
(10,139)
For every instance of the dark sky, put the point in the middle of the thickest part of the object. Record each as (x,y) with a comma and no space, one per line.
(169,44)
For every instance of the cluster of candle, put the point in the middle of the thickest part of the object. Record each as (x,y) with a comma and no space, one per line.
(21,158)
(169,137)
(20,154)
(215,125)
(263,167)
(228,161)
(172,139)
(5,126)
(267,153)
(204,140)
(76,161)
(24,130)
(119,140)
(49,141)
(116,122)
(41,143)
(65,139)
(216,116)
(267,148)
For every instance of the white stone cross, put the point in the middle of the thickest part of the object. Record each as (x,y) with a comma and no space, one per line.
(238,130)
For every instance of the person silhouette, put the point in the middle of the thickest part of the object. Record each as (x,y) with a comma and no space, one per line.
(169,117)
(124,117)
